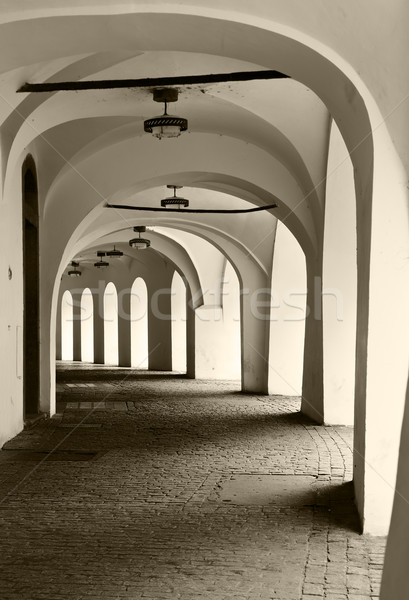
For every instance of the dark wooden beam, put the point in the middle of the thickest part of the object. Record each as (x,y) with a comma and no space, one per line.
(104,84)
(192,210)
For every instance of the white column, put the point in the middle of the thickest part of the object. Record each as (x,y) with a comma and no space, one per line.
(395,581)
(287,319)
(339,285)
(382,340)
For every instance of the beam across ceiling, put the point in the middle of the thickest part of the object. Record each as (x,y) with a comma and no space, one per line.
(107,84)
(192,210)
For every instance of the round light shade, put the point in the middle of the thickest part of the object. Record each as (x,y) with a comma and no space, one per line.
(102,264)
(74,272)
(139,243)
(174,200)
(114,253)
(165,126)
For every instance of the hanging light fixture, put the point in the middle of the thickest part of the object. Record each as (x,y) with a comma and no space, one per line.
(74,272)
(101,264)
(174,200)
(139,243)
(114,253)
(165,126)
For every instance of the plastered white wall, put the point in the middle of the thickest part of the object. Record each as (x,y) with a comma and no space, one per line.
(11,313)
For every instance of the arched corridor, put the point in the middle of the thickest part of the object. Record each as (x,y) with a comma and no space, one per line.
(166,488)
(252,157)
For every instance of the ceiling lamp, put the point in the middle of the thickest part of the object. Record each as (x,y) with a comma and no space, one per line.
(175,200)
(114,253)
(165,126)
(140,243)
(74,273)
(101,264)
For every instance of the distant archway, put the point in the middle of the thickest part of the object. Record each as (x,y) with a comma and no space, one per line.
(87,326)
(31,281)
(178,308)
(111,324)
(139,324)
(67,328)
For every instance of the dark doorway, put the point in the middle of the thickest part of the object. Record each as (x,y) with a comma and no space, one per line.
(31,289)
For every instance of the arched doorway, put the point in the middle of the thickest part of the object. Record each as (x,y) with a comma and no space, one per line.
(111,324)
(87,326)
(178,308)
(139,324)
(67,326)
(31,356)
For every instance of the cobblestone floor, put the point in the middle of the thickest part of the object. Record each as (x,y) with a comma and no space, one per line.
(152,486)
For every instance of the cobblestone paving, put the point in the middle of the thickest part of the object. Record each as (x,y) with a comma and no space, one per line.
(152,486)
